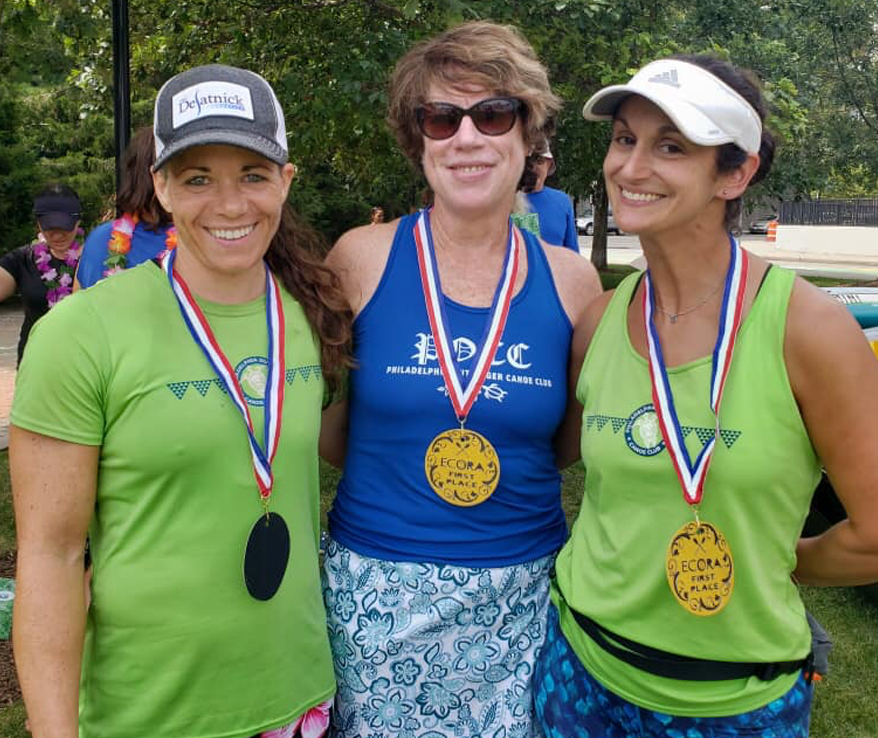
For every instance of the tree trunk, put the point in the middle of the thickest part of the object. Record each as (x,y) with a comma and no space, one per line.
(599,237)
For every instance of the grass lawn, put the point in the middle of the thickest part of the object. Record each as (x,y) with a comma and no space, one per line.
(613,274)
(12,722)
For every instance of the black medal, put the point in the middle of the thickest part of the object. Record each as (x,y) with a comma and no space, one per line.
(266,556)
(268,546)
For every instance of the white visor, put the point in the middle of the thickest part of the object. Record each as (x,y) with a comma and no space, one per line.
(705,109)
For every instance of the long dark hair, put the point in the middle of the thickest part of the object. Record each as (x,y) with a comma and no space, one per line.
(295,256)
(136,194)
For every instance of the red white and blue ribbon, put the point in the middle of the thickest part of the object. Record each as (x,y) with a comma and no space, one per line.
(464,392)
(691,475)
(274,391)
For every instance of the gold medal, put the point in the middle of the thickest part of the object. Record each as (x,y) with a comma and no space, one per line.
(462,467)
(700,570)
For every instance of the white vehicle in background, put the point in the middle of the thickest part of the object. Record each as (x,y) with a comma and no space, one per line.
(585,225)
(760,225)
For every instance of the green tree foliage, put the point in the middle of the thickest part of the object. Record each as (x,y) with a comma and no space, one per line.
(19,174)
(47,131)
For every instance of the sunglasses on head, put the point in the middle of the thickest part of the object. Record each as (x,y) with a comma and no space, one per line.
(492,117)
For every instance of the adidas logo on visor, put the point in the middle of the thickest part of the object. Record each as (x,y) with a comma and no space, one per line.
(666,78)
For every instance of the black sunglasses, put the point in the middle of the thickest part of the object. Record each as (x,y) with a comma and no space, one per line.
(493,117)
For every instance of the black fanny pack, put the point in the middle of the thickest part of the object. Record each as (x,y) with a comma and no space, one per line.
(673,666)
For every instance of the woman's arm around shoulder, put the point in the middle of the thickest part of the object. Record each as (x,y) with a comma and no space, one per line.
(567,439)
(834,377)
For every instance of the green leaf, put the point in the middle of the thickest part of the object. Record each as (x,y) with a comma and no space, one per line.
(411,8)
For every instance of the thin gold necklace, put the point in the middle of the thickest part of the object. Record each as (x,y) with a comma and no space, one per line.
(673,316)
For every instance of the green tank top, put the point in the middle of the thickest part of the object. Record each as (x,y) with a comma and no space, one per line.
(757,492)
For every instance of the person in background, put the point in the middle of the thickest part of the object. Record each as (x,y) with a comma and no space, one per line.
(181,435)
(42,272)
(553,208)
(376,215)
(714,388)
(448,514)
(143,229)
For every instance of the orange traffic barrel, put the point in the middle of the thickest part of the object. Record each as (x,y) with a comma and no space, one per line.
(772,231)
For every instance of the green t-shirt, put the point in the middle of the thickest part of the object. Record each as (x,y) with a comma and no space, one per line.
(757,493)
(175,646)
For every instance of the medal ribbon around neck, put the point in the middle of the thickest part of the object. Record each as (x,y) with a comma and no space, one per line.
(274,393)
(692,476)
(464,393)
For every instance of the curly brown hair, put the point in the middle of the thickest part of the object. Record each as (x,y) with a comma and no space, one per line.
(496,57)
(295,256)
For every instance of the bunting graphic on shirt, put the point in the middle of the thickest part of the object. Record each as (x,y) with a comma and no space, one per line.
(691,475)
(274,391)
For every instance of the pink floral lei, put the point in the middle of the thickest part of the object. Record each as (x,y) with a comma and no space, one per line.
(59,282)
(120,243)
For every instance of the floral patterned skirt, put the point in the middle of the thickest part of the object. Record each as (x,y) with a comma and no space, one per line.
(431,650)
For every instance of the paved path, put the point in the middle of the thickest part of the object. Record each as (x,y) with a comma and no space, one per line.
(10,325)
(625,250)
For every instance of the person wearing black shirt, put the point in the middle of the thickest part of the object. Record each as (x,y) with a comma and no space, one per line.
(42,272)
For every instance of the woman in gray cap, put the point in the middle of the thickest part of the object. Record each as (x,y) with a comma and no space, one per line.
(183,440)
(42,272)
(713,389)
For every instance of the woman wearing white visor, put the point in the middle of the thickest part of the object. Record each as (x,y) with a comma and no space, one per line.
(713,386)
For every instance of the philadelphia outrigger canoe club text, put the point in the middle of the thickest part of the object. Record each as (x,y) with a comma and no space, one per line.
(513,358)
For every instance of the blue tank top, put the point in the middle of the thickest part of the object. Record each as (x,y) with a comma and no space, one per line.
(384,507)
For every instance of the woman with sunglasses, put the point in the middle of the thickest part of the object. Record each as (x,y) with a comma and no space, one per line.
(448,514)
(713,387)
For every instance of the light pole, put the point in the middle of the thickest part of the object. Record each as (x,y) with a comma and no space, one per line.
(121,84)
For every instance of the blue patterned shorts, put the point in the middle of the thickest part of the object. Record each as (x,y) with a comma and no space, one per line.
(432,650)
(570,703)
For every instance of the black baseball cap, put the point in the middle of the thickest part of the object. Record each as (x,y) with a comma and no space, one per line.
(57,210)
(218,104)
